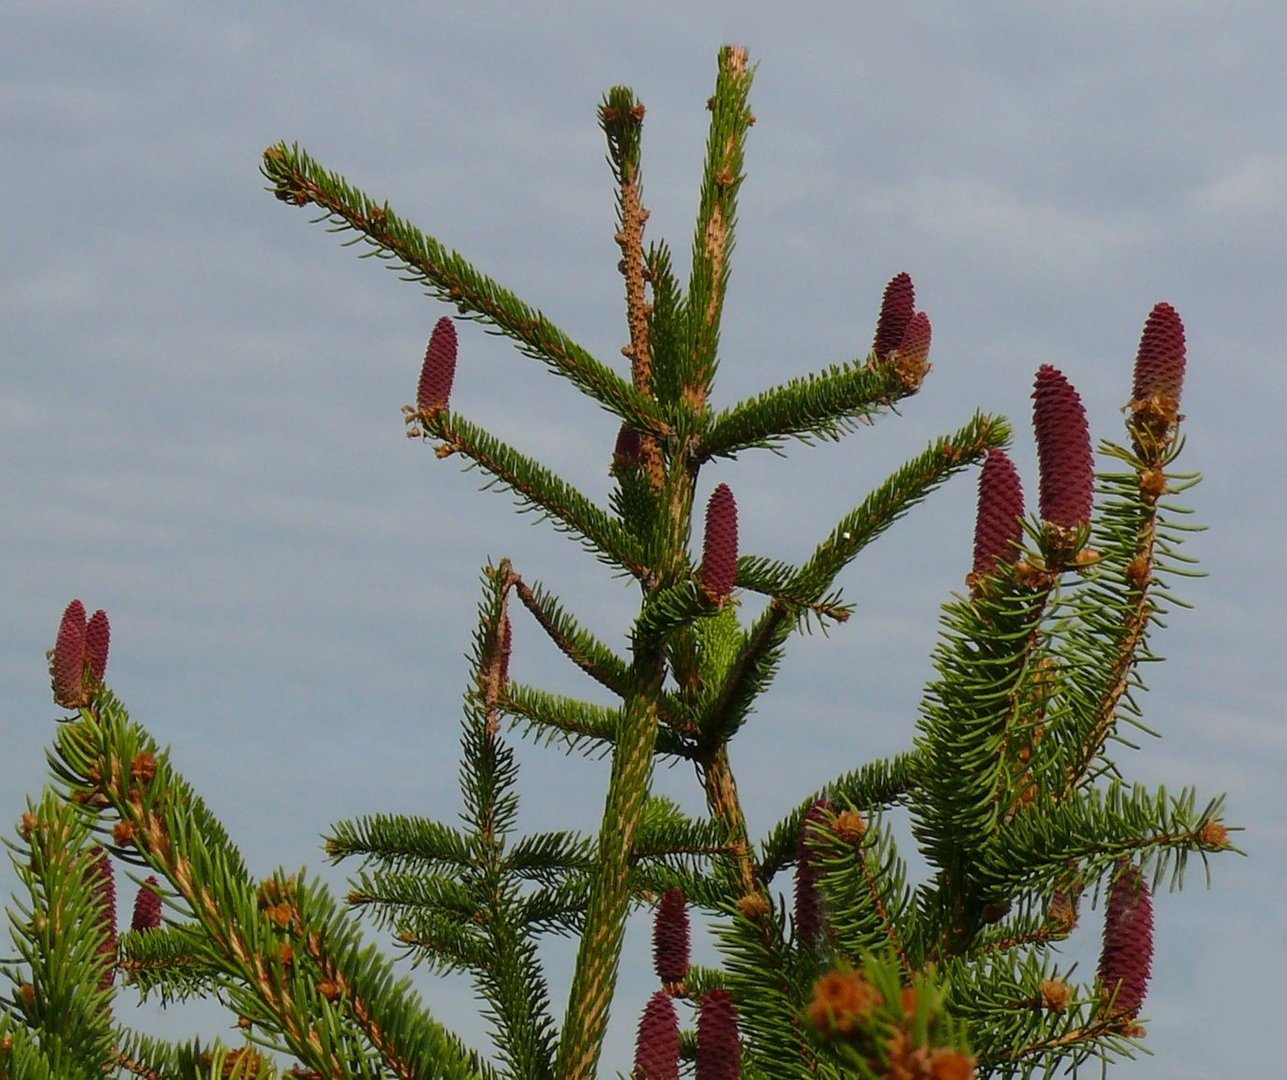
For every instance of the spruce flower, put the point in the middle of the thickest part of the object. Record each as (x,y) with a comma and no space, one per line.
(147,906)
(913,351)
(1127,957)
(103,880)
(808,908)
(1159,364)
(1067,468)
(670,937)
(439,367)
(68,667)
(657,1044)
(896,311)
(98,637)
(719,553)
(719,1051)
(998,528)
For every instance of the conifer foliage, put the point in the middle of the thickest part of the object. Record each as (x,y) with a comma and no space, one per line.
(1014,776)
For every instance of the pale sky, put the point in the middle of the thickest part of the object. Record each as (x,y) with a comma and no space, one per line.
(200,393)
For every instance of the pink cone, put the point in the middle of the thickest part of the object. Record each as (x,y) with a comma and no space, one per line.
(670,937)
(657,1044)
(439,369)
(1159,364)
(719,1050)
(1127,957)
(98,638)
(719,553)
(1067,467)
(69,658)
(147,906)
(896,311)
(998,528)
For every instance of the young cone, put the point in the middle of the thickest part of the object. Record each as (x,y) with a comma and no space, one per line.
(998,528)
(98,638)
(628,451)
(670,937)
(147,907)
(69,658)
(439,368)
(1127,957)
(896,311)
(1067,468)
(913,350)
(719,1050)
(719,553)
(808,909)
(657,1044)
(1159,364)
(104,880)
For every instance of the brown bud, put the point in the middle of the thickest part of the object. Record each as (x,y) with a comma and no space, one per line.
(439,369)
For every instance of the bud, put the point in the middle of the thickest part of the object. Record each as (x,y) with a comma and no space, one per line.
(1127,957)
(69,658)
(104,883)
(98,637)
(1067,468)
(439,367)
(1159,364)
(896,311)
(998,528)
(719,554)
(719,1052)
(657,1044)
(147,906)
(808,909)
(670,937)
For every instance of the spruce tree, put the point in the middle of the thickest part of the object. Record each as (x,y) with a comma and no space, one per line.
(1014,779)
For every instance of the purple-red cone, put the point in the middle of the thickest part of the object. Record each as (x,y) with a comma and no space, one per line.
(98,638)
(719,553)
(69,658)
(1067,467)
(628,450)
(998,528)
(808,909)
(914,347)
(719,1050)
(657,1044)
(670,937)
(104,882)
(439,367)
(1127,957)
(1159,364)
(147,906)
(896,311)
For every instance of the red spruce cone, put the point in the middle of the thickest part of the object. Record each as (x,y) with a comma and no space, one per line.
(808,909)
(69,658)
(998,528)
(1067,468)
(104,881)
(439,367)
(1127,957)
(896,311)
(1159,364)
(719,1051)
(628,450)
(147,906)
(98,638)
(670,937)
(657,1044)
(506,647)
(913,349)
(719,554)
